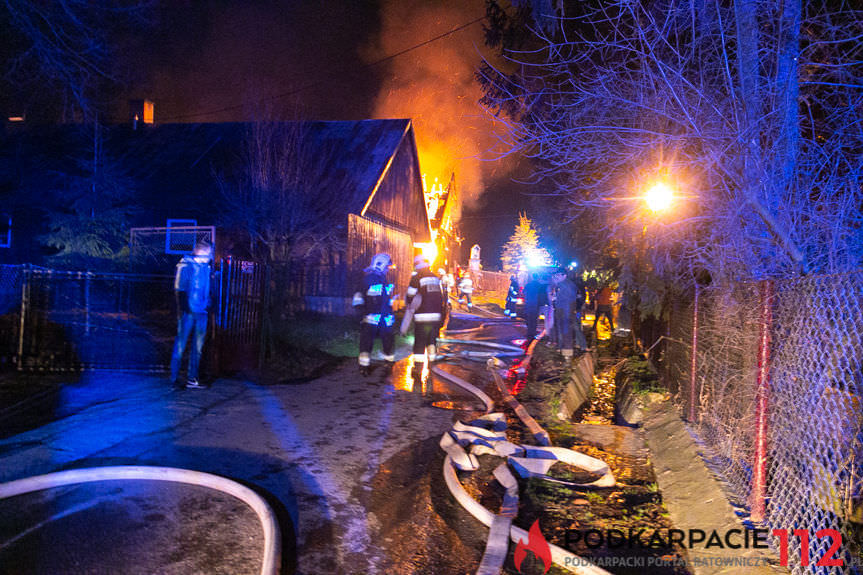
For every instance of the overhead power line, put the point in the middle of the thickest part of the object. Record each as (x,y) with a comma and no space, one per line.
(323,81)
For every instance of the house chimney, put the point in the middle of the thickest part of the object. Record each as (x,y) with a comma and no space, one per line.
(140,112)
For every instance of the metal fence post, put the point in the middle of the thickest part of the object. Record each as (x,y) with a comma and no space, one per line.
(264,321)
(86,302)
(25,304)
(759,477)
(693,366)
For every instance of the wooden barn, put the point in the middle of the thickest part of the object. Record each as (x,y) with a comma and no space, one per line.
(377,167)
(366,173)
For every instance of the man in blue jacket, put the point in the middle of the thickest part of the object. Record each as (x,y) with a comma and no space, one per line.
(192,289)
(534,298)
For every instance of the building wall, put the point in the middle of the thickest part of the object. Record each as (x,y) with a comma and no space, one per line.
(399,198)
(367,237)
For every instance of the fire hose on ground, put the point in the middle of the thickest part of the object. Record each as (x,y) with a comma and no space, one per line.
(484,440)
(272,557)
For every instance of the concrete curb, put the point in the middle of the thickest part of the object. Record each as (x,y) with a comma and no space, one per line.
(694,499)
(577,390)
(271,563)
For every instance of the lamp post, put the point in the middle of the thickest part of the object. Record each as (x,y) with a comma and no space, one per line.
(658,197)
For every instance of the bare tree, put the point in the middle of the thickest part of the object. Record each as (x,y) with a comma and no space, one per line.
(286,196)
(751,109)
(67,47)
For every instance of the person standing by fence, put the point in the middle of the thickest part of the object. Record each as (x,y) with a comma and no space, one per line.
(373,302)
(192,289)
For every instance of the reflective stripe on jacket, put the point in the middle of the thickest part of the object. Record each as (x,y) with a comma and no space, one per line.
(373,299)
(429,305)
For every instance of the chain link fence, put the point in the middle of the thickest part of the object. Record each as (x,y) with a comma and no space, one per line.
(774,394)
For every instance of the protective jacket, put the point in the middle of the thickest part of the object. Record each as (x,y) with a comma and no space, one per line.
(466,285)
(512,294)
(192,284)
(425,296)
(374,299)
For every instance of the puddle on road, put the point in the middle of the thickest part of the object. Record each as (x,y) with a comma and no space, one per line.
(422,529)
(436,391)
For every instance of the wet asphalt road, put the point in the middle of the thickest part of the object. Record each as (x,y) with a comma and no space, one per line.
(350,462)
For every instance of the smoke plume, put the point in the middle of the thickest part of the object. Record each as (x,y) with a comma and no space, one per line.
(435,86)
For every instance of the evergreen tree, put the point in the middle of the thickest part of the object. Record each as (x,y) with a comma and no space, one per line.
(89,206)
(522,244)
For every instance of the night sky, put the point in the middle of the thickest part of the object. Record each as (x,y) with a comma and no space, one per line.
(233,60)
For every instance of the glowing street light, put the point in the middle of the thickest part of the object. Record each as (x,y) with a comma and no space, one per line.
(659,197)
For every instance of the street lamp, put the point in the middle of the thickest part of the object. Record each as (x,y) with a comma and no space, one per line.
(659,197)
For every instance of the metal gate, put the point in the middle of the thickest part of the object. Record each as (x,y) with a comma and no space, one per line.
(10,309)
(73,321)
(238,334)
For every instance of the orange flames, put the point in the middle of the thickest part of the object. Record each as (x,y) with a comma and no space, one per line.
(537,544)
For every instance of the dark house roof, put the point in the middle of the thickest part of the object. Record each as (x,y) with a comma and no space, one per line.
(175,167)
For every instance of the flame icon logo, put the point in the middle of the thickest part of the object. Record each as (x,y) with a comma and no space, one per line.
(535,543)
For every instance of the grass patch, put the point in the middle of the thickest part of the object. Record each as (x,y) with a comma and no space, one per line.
(307,345)
(640,374)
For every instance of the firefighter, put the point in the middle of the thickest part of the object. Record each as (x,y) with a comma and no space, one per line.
(465,288)
(446,281)
(511,297)
(373,302)
(425,306)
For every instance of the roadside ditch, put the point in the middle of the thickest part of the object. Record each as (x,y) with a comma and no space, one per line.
(577,409)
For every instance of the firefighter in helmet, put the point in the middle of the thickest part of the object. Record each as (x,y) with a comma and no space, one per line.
(425,305)
(373,302)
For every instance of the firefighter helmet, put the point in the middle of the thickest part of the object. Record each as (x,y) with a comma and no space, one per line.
(421,261)
(381,262)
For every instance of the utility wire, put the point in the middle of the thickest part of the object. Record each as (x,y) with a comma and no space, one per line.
(322,81)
